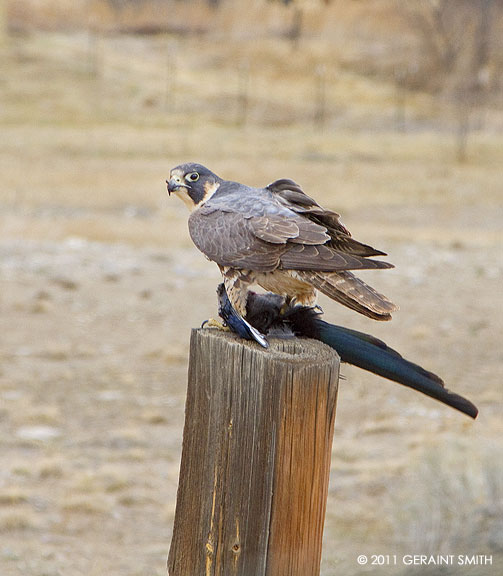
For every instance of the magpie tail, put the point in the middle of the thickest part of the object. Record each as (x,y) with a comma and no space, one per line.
(375,356)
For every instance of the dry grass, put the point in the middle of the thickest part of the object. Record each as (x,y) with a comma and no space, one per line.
(12,496)
(17,522)
(93,256)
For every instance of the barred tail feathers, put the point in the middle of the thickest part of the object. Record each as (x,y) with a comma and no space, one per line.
(346,288)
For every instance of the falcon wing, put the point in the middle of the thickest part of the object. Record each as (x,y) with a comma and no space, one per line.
(280,230)
(227,239)
(269,241)
(291,195)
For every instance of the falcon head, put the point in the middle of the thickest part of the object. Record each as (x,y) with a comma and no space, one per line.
(193,183)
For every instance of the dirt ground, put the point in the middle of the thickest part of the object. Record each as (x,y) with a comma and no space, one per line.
(100,287)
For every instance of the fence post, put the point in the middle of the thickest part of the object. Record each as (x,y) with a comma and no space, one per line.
(171,75)
(320,107)
(243,92)
(4,25)
(256,457)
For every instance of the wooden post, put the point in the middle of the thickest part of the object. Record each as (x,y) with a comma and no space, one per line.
(171,75)
(400,101)
(96,70)
(320,110)
(243,92)
(256,457)
(4,26)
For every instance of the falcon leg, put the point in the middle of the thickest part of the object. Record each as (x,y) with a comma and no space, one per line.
(236,284)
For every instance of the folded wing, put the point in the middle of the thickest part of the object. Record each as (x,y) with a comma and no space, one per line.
(269,241)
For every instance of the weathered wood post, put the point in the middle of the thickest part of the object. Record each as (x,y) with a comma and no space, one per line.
(4,25)
(256,457)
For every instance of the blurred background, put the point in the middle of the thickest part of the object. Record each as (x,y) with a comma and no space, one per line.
(389,112)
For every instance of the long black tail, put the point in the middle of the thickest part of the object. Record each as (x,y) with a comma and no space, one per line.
(374,355)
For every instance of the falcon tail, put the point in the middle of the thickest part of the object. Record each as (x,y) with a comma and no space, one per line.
(352,292)
(375,356)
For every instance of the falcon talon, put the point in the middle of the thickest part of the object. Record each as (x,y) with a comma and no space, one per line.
(214,323)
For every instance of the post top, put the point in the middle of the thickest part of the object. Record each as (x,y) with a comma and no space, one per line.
(304,351)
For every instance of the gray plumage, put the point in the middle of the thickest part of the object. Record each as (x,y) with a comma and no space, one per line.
(277,237)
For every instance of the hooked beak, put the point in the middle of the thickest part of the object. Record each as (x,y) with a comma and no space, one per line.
(175,184)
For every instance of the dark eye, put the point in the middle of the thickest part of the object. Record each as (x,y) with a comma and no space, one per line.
(192,177)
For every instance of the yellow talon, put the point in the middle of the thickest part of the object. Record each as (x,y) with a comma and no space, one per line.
(213,323)
(284,308)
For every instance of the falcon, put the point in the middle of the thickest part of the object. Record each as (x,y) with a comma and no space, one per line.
(279,238)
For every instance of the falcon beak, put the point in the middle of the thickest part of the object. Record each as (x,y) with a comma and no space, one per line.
(174,184)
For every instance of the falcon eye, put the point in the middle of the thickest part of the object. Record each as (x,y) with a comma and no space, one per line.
(193,177)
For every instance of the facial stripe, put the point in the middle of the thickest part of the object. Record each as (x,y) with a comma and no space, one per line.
(196,194)
(209,190)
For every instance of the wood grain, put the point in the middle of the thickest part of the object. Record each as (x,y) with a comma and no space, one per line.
(255,459)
